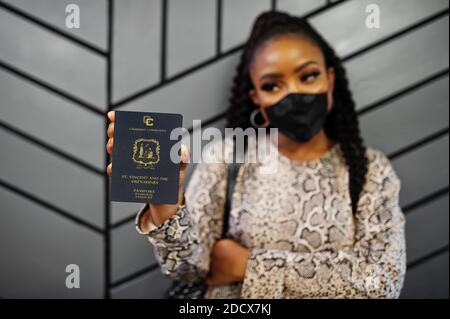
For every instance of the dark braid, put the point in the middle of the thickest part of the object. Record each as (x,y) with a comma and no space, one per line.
(342,121)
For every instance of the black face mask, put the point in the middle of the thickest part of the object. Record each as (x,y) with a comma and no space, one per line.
(299,116)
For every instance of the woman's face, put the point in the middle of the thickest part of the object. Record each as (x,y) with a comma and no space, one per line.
(289,64)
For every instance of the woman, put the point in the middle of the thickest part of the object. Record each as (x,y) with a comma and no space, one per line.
(326,225)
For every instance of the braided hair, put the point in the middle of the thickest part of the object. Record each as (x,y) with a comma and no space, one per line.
(342,122)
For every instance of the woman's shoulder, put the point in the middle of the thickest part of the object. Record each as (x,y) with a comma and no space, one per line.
(377,158)
(380,169)
(380,197)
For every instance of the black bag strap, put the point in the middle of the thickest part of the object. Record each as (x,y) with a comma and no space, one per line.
(233,170)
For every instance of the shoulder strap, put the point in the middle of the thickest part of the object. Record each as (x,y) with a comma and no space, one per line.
(233,170)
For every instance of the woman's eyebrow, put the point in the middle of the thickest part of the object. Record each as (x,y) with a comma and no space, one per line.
(304,65)
(279,75)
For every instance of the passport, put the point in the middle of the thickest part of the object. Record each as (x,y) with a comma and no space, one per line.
(143,171)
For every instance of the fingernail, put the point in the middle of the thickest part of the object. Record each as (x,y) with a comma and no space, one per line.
(184,153)
(185,158)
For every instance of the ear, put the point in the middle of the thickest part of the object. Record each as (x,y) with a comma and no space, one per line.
(331,82)
(253,96)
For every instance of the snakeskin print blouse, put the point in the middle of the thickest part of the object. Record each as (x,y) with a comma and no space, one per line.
(304,240)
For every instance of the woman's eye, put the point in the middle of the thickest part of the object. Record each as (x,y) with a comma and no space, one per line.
(269,87)
(310,76)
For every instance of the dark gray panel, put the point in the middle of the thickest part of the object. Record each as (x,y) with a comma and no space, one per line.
(398,64)
(428,281)
(130,251)
(52,59)
(52,119)
(408,119)
(51,178)
(237,20)
(37,245)
(191,33)
(299,8)
(150,286)
(200,95)
(92,17)
(427,228)
(423,171)
(124,210)
(344,25)
(136,51)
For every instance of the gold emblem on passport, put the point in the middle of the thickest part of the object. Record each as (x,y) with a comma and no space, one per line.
(146,151)
(148,120)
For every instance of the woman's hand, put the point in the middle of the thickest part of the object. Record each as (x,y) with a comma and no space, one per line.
(228,262)
(157,213)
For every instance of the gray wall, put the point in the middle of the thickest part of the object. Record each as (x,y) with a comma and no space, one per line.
(56,85)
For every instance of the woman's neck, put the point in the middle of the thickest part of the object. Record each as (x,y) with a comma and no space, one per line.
(306,151)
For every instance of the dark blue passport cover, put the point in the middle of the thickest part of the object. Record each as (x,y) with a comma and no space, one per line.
(142,169)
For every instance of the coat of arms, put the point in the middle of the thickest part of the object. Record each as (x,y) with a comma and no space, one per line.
(146,151)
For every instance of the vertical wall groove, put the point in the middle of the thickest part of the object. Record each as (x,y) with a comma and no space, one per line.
(109,94)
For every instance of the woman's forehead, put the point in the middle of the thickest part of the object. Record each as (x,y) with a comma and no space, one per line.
(286,51)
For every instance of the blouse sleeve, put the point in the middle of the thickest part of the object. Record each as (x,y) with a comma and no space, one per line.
(373,267)
(183,243)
